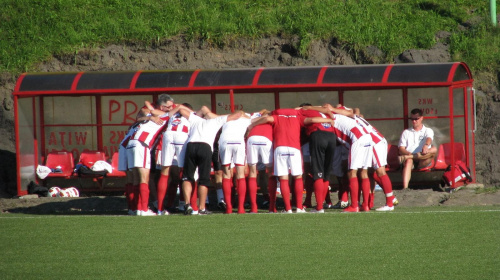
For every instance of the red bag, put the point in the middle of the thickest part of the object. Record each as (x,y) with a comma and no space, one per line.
(461,175)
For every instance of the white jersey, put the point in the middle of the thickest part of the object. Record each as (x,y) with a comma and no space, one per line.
(413,140)
(204,131)
(232,142)
(234,130)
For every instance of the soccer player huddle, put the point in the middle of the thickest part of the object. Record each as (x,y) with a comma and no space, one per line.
(307,142)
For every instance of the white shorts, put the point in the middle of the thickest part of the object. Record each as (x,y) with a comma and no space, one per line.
(360,155)
(232,152)
(341,154)
(259,149)
(379,154)
(138,155)
(173,143)
(306,155)
(122,159)
(287,159)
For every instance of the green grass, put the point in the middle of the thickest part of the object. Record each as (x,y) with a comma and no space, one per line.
(493,189)
(31,31)
(410,243)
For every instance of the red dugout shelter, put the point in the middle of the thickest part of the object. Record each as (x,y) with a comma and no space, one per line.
(91,111)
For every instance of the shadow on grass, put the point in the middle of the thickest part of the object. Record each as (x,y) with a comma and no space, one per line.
(110,205)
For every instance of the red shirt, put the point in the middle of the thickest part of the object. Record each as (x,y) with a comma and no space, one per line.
(286,127)
(265,130)
(316,126)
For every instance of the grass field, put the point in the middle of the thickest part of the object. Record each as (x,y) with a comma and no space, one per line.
(410,243)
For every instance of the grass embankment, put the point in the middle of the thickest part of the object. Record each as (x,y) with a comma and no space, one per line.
(31,31)
(410,243)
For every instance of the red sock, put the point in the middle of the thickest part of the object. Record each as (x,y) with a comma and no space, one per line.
(161,190)
(377,178)
(309,185)
(299,192)
(360,189)
(387,188)
(371,200)
(285,193)
(252,190)
(194,197)
(137,199)
(226,189)
(129,194)
(319,193)
(365,187)
(144,196)
(272,189)
(354,187)
(344,190)
(242,190)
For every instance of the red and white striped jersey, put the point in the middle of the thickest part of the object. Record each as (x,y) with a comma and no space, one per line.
(148,131)
(178,123)
(368,128)
(133,128)
(348,130)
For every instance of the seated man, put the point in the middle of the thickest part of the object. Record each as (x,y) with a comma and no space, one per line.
(415,146)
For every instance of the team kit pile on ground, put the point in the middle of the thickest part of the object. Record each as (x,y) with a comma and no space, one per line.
(287,144)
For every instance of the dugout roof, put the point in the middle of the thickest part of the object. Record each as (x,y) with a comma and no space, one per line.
(391,75)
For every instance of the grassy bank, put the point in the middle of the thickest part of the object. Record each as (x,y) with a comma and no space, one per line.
(31,31)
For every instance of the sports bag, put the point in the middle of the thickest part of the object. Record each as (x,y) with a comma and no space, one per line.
(461,175)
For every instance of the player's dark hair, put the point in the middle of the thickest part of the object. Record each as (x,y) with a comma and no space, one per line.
(305,104)
(417,111)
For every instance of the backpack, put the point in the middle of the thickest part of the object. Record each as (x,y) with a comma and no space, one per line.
(461,175)
(83,171)
(34,188)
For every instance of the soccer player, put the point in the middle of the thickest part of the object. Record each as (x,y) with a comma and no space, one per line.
(232,150)
(260,150)
(287,156)
(199,152)
(123,166)
(322,145)
(174,138)
(379,161)
(352,133)
(139,151)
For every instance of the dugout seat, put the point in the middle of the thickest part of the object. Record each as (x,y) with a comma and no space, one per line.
(88,158)
(62,159)
(114,164)
(445,153)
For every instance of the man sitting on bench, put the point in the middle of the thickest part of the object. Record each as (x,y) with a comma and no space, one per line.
(415,146)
